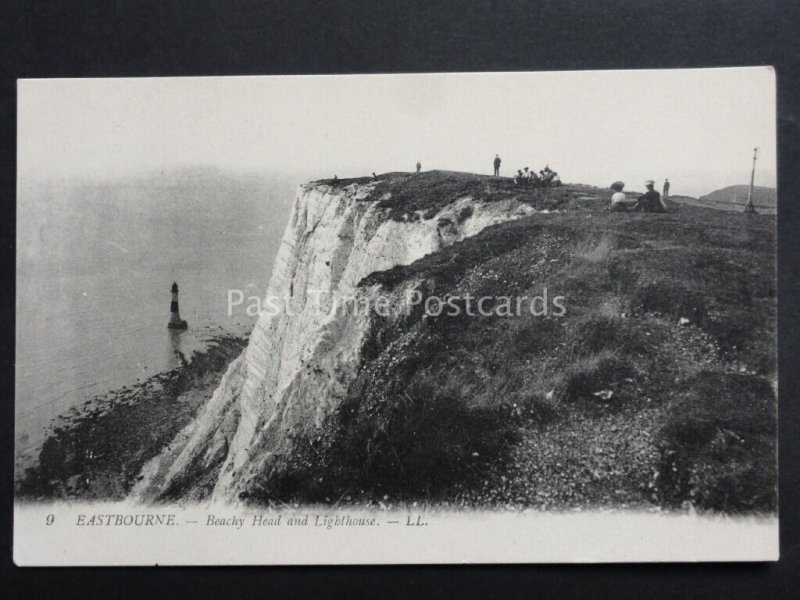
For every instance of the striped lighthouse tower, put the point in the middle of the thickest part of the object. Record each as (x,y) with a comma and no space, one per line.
(175,321)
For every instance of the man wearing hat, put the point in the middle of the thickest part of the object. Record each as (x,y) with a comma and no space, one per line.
(650,201)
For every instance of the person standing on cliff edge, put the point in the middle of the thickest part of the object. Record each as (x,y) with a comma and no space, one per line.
(497,162)
(419,166)
(666,188)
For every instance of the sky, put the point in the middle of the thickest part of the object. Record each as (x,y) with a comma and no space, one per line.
(697,127)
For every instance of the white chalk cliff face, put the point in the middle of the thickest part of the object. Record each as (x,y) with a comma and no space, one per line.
(299,362)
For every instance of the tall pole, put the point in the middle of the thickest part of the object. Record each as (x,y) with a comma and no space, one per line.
(750,208)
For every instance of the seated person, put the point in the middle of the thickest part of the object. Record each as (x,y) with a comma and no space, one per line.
(650,201)
(618,198)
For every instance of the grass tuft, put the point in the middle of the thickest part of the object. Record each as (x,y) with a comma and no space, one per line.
(718,445)
(603,371)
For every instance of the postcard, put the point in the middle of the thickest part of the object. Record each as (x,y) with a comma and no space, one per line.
(409,318)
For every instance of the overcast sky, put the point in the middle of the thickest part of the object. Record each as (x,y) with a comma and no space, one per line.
(697,127)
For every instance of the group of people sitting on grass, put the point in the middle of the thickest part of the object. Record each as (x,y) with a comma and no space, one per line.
(650,201)
(545,178)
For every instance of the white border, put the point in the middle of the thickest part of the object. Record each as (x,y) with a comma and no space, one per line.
(448,537)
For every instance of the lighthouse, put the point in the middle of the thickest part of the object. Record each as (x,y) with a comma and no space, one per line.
(175,321)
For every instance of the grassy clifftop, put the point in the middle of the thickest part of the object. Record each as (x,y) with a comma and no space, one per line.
(414,196)
(653,390)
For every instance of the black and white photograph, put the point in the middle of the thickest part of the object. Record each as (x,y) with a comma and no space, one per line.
(397,318)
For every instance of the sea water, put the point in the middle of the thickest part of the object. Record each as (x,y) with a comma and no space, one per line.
(93,305)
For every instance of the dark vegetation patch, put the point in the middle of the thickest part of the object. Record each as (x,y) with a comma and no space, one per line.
(409,195)
(342,183)
(595,332)
(717,447)
(670,298)
(415,442)
(581,380)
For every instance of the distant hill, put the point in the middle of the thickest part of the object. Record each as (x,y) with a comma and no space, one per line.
(736,195)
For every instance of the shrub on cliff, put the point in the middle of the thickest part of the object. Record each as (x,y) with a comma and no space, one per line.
(583,380)
(405,195)
(430,440)
(670,298)
(416,444)
(718,446)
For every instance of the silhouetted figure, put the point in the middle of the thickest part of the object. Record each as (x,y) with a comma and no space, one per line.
(666,188)
(547,176)
(497,162)
(419,166)
(374,176)
(650,201)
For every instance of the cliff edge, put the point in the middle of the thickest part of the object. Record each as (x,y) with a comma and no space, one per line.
(300,362)
(655,365)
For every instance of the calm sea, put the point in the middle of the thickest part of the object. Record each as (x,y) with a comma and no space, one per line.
(93,302)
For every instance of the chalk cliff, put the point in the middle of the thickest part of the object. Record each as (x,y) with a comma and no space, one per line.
(586,406)
(299,363)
